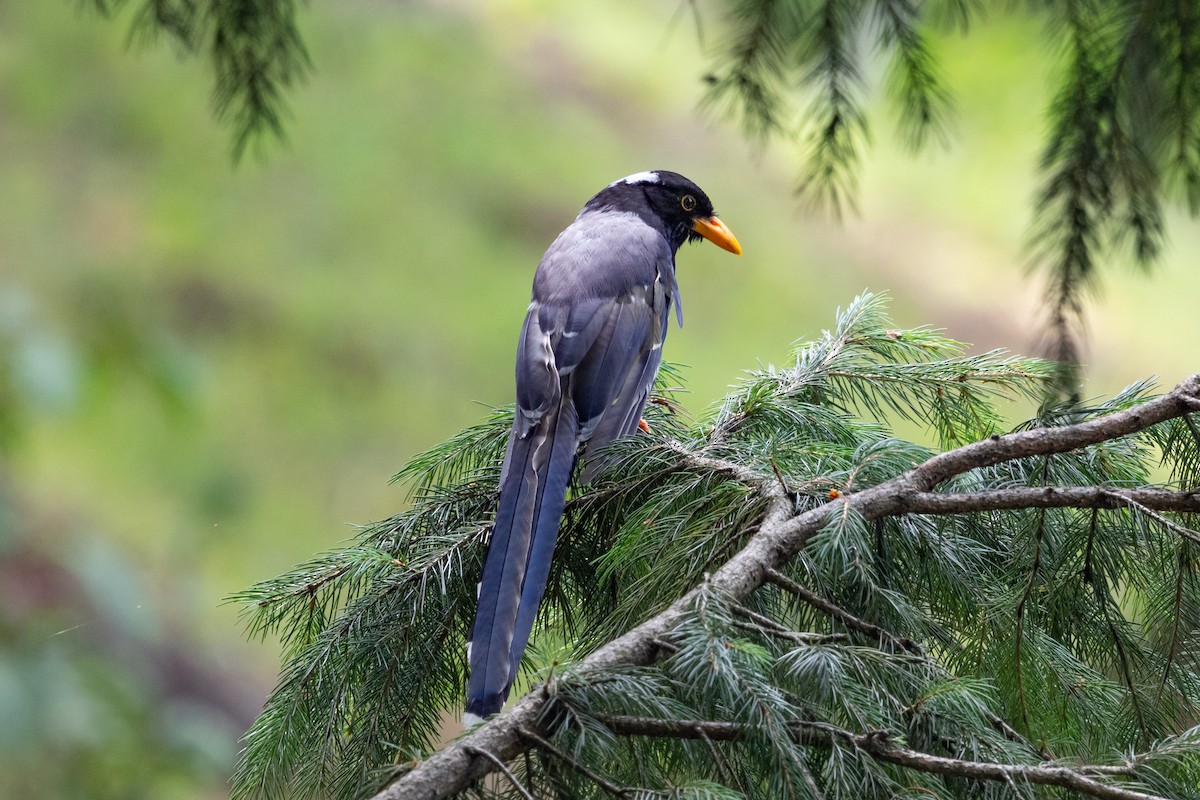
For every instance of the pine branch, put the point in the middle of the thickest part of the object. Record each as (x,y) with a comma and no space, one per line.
(782,534)
(254,46)
(913,75)
(837,121)
(666,514)
(881,745)
(1102,497)
(751,85)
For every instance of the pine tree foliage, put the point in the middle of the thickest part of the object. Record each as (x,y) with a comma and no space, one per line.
(996,653)
(253,46)
(1124,124)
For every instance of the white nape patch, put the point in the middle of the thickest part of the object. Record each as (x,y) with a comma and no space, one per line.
(478,589)
(469,652)
(639,177)
(471,721)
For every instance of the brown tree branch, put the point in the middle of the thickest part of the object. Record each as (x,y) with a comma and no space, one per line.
(880,745)
(782,534)
(1103,497)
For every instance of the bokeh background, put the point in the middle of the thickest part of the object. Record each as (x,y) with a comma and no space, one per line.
(208,373)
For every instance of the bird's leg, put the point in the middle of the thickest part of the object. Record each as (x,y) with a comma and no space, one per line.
(644,426)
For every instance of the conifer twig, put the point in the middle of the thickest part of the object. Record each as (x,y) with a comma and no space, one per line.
(845,617)
(500,765)
(592,775)
(1182,530)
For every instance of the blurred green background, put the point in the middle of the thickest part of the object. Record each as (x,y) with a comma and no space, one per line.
(209,373)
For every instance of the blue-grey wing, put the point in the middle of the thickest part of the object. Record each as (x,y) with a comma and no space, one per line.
(599,383)
(630,396)
(556,339)
(604,352)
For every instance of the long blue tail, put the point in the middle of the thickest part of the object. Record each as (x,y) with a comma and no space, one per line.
(532,497)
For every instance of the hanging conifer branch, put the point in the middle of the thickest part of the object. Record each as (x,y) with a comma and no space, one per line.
(254,47)
(1124,122)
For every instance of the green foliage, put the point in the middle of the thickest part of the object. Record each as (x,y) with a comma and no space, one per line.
(805,60)
(1124,126)
(254,48)
(1077,627)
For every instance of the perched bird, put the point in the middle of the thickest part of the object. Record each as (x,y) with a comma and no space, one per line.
(586,359)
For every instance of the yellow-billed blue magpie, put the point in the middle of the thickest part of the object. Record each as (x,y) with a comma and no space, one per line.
(586,360)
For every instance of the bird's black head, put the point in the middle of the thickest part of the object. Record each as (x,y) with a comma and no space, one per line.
(670,203)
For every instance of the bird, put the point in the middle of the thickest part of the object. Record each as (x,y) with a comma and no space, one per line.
(587,356)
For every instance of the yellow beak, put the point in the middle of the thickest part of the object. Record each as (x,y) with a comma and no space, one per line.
(718,233)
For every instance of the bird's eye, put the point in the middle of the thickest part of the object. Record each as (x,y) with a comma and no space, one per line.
(688,202)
